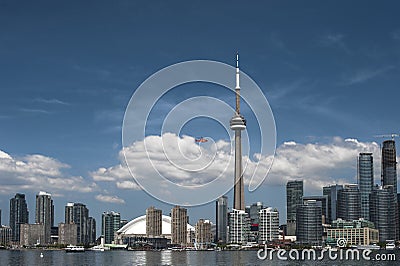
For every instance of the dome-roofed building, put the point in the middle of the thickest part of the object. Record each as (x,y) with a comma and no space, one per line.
(137,228)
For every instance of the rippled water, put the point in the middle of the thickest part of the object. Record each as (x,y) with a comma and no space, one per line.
(121,257)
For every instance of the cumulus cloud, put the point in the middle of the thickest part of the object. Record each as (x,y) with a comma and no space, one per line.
(182,161)
(110,199)
(38,172)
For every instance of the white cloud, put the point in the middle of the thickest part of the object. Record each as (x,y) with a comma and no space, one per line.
(110,199)
(363,75)
(38,172)
(318,164)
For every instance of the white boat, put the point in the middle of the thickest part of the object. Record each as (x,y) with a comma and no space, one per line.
(372,247)
(72,248)
(390,245)
(97,248)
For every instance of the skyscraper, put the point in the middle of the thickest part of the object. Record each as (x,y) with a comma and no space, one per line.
(294,199)
(309,223)
(179,221)
(331,192)
(365,181)
(389,172)
(153,222)
(91,230)
(203,234)
(44,214)
(238,226)
(254,219)
(221,219)
(323,202)
(349,203)
(269,225)
(110,224)
(238,123)
(77,213)
(18,215)
(383,212)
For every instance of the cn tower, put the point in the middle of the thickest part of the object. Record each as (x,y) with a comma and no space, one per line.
(238,123)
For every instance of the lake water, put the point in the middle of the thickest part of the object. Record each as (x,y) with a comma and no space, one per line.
(122,257)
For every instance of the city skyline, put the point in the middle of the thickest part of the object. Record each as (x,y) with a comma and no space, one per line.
(64,95)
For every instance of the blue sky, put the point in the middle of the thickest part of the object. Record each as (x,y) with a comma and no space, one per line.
(330,71)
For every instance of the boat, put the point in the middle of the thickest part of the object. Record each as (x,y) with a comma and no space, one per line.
(72,248)
(372,247)
(97,248)
(390,245)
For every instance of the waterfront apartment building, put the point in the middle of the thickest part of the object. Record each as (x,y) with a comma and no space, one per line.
(269,225)
(77,213)
(179,221)
(18,215)
(349,203)
(68,234)
(5,235)
(109,225)
(331,192)
(32,234)
(356,232)
(203,235)
(44,214)
(383,212)
(254,219)
(309,223)
(239,226)
(294,199)
(153,222)
(91,230)
(365,176)
(221,207)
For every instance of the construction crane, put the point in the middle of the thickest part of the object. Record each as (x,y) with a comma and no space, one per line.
(393,135)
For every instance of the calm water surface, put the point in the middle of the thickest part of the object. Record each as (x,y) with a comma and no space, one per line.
(56,257)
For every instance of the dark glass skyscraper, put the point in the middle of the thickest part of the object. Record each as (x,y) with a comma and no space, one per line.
(365,181)
(383,212)
(18,215)
(331,192)
(349,203)
(294,199)
(309,223)
(389,173)
(221,206)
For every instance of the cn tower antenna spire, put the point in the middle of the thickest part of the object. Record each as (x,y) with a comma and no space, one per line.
(237,89)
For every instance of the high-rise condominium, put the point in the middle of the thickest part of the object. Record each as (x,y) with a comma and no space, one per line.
(77,213)
(44,214)
(153,222)
(331,192)
(179,221)
(18,215)
(111,222)
(309,223)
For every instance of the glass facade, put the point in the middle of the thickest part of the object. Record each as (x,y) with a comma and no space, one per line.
(18,215)
(294,199)
(222,219)
(365,181)
(331,192)
(389,173)
(383,212)
(111,222)
(309,223)
(349,203)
